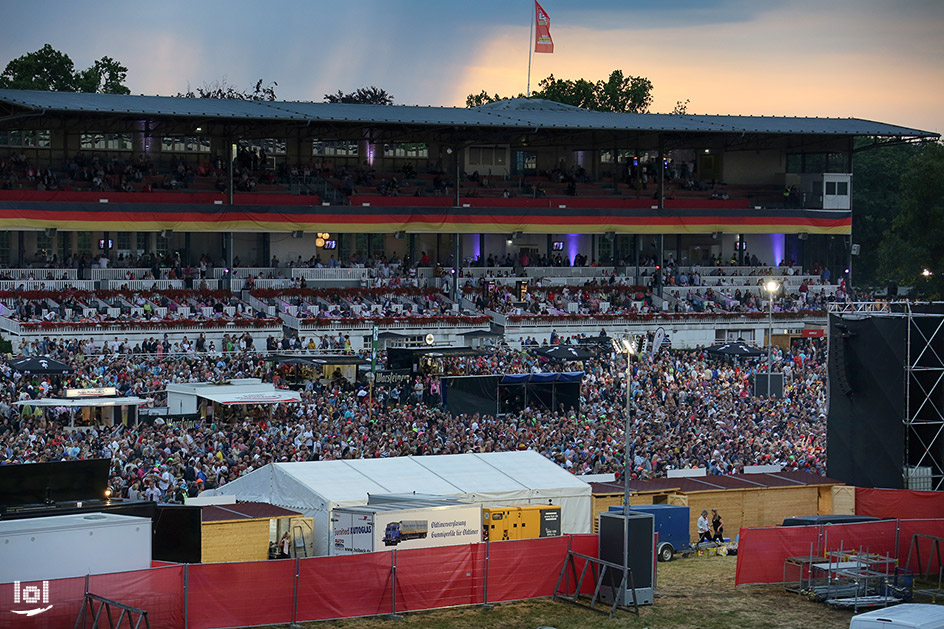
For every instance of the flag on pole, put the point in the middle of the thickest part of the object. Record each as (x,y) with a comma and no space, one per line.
(542,31)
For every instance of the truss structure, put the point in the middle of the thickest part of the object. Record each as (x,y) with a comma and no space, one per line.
(923,467)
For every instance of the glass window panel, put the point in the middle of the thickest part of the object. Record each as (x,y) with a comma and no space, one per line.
(5,247)
(831,187)
(842,188)
(85,242)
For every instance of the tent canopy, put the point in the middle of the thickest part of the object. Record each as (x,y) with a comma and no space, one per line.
(84,401)
(40,365)
(490,479)
(253,397)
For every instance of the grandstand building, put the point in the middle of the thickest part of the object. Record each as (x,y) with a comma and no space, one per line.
(263,188)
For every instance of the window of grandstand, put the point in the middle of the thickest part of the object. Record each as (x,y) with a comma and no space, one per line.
(43,245)
(815,163)
(339,148)
(28,138)
(413,150)
(162,246)
(64,244)
(84,243)
(105,141)
(123,241)
(525,162)
(185,144)
(488,155)
(271,146)
(142,242)
(607,156)
(5,248)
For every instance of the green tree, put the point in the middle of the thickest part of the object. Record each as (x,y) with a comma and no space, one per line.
(876,200)
(48,69)
(915,240)
(619,93)
(363,96)
(223,90)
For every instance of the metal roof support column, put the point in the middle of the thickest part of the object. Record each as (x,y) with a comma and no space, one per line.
(661,261)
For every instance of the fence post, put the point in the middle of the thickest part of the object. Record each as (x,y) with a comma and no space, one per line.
(186,595)
(485,604)
(898,540)
(294,622)
(393,580)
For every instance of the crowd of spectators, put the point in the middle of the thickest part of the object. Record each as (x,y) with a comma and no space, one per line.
(691,409)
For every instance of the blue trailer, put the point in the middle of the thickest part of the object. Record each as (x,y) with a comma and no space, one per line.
(671,523)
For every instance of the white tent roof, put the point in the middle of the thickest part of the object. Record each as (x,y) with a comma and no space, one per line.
(230,398)
(83,401)
(491,479)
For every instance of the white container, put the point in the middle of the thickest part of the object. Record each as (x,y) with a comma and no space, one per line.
(906,616)
(58,547)
(381,527)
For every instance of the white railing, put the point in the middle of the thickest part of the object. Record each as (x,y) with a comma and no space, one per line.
(153,327)
(117,273)
(355,274)
(47,284)
(246,271)
(404,323)
(39,273)
(661,318)
(144,284)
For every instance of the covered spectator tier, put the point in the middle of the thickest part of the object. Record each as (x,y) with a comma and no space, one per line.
(412,215)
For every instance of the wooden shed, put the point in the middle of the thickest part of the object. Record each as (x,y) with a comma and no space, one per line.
(741,499)
(242,531)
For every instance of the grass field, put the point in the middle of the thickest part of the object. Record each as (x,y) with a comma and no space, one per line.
(693,592)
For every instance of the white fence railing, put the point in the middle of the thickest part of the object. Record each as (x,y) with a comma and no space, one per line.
(46,284)
(117,273)
(355,274)
(40,273)
(151,327)
(143,284)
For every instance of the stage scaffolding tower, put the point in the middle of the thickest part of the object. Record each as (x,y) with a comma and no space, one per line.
(923,467)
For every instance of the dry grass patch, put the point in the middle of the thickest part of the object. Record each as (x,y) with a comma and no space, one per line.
(696,592)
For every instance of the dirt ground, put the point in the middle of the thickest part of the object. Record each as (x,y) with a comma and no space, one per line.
(695,592)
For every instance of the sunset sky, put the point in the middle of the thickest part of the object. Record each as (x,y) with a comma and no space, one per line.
(837,58)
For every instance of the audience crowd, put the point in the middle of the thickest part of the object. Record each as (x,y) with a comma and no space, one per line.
(689,409)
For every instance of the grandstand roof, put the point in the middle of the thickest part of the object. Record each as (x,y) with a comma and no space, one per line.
(516,113)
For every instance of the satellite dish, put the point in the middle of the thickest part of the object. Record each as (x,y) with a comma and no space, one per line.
(430,339)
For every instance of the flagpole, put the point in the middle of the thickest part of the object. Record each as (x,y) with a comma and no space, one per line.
(527,93)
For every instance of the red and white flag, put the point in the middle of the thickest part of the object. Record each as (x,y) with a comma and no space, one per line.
(542,31)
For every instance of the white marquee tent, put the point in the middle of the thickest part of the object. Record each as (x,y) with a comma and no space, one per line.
(491,479)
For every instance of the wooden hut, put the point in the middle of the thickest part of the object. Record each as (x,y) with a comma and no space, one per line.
(741,499)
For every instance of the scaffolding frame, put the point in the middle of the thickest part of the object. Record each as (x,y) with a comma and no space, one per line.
(924,417)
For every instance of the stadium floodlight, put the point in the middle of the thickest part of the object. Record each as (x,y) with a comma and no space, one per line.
(771,286)
(627,346)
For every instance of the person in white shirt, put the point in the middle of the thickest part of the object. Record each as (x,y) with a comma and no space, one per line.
(704,527)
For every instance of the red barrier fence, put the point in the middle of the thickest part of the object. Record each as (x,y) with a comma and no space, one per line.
(899,503)
(762,551)
(210,596)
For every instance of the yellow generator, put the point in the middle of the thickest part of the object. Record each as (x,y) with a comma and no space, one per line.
(501,523)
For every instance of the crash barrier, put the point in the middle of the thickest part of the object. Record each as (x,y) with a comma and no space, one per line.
(899,503)
(212,596)
(763,550)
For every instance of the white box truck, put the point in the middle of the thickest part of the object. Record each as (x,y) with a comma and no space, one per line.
(905,616)
(381,527)
(62,546)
